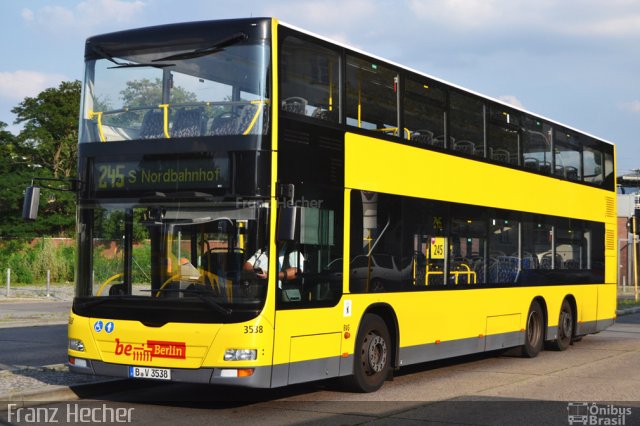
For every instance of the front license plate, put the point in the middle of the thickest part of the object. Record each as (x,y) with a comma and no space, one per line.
(150,373)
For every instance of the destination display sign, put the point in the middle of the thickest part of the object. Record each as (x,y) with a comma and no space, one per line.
(162,174)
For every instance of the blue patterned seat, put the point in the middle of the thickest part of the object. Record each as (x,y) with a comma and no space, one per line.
(152,125)
(187,123)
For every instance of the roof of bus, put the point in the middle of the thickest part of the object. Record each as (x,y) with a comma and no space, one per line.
(162,32)
(328,40)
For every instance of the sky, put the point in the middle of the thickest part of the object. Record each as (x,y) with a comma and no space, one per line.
(576,62)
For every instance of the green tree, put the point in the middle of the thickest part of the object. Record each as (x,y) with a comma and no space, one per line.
(51,127)
(16,170)
(46,147)
(143,93)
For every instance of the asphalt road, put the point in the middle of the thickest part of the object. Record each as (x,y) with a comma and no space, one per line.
(33,346)
(598,375)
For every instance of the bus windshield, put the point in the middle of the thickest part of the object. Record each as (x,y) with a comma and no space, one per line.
(188,90)
(179,253)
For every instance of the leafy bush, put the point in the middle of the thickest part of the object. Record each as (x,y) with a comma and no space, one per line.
(29,262)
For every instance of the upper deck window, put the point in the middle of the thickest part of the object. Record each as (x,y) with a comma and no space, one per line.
(568,155)
(424,111)
(466,124)
(309,80)
(503,135)
(372,96)
(164,92)
(537,145)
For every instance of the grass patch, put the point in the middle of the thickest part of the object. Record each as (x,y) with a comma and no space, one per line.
(628,303)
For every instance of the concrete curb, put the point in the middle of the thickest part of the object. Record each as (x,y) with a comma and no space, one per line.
(30,323)
(627,311)
(70,390)
(60,393)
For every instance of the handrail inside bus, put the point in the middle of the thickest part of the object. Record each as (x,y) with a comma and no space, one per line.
(97,115)
(379,236)
(108,281)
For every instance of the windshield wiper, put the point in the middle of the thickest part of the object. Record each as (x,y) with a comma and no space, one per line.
(202,296)
(218,47)
(131,65)
(103,54)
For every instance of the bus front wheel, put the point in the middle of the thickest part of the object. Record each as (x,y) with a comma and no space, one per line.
(372,355)
(533,335)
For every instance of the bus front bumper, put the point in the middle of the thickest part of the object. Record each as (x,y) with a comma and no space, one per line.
(261,377)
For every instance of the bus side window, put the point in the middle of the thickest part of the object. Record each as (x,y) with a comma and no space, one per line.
(309,79)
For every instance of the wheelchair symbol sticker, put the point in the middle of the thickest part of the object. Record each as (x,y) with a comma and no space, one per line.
(97,326)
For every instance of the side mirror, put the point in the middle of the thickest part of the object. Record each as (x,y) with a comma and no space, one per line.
(287,220)
(31,203)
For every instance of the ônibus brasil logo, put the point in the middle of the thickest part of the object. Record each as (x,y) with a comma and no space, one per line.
(152,349)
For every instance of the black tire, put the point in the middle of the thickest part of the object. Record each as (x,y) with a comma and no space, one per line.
(534,333)
(565,327)
(372,356)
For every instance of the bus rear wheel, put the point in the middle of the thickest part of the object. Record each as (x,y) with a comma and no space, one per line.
(565,327)
(533,336)
(372,355)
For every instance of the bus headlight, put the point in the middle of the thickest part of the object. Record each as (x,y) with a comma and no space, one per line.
(76,345)
(240,354)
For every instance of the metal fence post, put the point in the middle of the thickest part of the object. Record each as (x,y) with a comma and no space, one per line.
(8,280)
(48,282)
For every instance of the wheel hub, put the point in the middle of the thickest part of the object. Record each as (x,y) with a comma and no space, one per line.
(376,354)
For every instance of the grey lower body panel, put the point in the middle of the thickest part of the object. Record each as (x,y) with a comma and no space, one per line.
(449,349)
(324,368)
(261,377)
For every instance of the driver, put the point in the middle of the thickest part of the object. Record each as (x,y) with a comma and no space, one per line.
(288,264)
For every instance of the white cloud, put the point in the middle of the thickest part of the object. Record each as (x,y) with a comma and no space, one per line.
(27,14)
(17,85)
(511,100)
(334,19)
(633,106)
(86,16)
(99,11)
(608,18)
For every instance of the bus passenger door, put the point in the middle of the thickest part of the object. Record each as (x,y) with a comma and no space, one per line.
(308,322)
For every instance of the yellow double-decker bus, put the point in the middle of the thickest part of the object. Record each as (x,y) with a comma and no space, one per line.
(259,206)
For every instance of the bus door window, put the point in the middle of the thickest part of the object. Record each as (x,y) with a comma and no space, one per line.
(310,273)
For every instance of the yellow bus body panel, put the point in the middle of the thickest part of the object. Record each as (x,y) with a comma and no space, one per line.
(382,166)
(174,345)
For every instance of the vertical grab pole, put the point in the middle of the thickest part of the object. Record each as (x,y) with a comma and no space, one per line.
(635,257)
